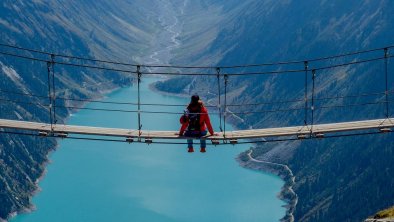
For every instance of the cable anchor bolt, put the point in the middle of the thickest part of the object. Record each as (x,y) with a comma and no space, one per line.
(306,66)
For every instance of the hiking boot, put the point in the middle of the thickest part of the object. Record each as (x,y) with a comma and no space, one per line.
(191,150)
(202,150)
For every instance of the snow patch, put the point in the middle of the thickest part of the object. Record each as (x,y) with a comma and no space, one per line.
(11,143)
(18,115)
(11,73)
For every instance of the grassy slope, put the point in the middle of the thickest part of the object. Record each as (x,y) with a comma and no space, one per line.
(385,214)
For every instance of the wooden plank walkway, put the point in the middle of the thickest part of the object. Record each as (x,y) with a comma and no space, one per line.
(299,131)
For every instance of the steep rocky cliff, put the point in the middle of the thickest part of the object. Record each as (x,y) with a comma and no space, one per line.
(341,179)
(100,29)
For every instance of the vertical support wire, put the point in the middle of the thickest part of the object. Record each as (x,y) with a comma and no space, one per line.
(313,99)
(386,56)
(139,101)
(219,105)
(49,64)
(306,93)
(53,89)
(225,104)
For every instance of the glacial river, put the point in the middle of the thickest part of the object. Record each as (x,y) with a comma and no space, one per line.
(107,181)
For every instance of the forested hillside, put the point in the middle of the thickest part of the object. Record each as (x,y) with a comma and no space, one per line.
(338,179)
(341,179)
(100,29)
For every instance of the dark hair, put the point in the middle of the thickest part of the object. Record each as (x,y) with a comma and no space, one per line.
(194,100)
(195,104)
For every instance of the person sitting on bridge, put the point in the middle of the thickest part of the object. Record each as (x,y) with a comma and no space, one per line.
(196,120)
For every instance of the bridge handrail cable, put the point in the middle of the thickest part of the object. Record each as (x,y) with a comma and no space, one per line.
(52,91)
(196,67)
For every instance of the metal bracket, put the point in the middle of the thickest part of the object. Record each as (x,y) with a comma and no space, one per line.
(129,139)
(319,135)
(148,141)
(385,130)
(215,142)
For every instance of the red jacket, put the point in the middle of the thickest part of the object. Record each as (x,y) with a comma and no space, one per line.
(204,122)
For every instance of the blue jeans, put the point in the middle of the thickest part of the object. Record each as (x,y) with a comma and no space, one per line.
(194,134)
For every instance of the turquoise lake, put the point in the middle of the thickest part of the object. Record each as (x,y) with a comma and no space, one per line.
(109,181)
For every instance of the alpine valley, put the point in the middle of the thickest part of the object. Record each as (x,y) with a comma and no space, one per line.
(334,179)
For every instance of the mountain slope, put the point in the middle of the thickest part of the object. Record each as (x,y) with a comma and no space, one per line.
(101,29)
(336,180)
(343,179)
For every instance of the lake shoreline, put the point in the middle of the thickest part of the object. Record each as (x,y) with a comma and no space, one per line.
(229,159)
(286,194)
(101,94)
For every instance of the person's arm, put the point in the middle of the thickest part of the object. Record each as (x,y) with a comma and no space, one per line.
(183,128)
(208,123)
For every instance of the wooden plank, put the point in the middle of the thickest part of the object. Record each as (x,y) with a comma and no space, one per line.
(22,125)
(269,132)
(350,126)
(98,131)
(240,134)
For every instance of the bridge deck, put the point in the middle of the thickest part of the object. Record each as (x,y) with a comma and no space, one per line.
(240,134)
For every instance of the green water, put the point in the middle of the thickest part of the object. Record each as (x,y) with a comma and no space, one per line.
(104,181)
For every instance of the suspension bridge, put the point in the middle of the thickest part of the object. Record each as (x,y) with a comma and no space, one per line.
(309,130)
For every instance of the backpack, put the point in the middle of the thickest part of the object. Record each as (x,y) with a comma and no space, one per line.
(194,118)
